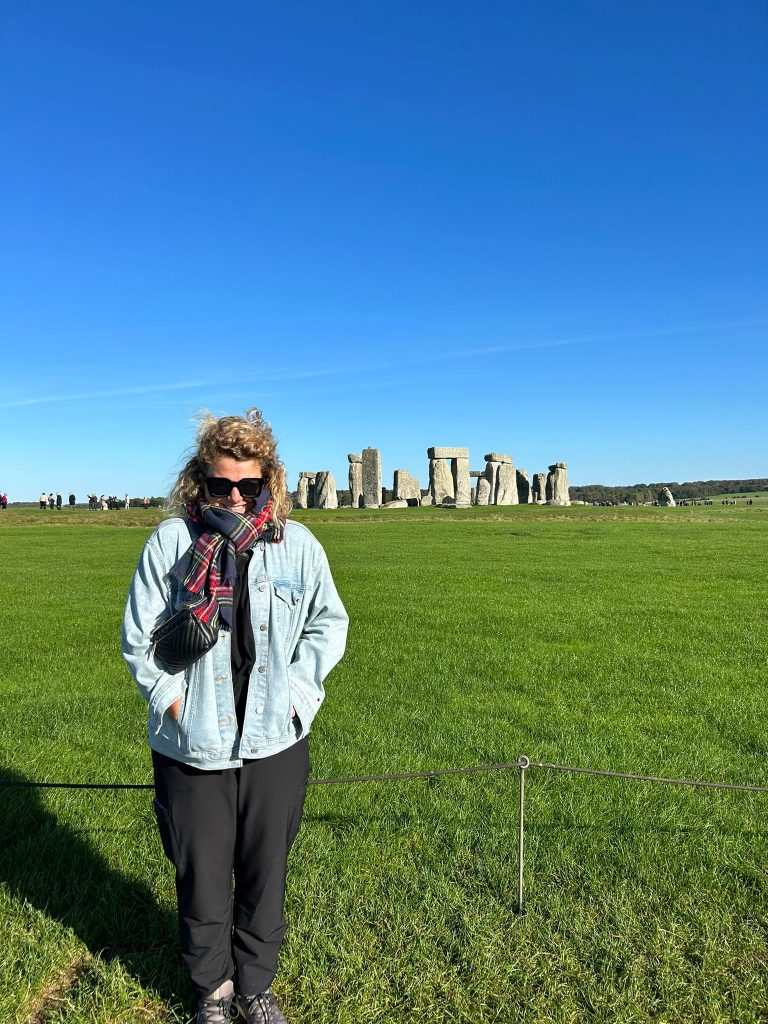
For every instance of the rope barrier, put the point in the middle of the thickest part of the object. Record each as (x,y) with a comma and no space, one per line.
(522,764)
(430,774)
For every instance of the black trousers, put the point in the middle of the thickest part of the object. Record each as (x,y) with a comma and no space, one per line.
(216,825)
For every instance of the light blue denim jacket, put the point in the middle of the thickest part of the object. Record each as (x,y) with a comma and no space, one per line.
(299,629)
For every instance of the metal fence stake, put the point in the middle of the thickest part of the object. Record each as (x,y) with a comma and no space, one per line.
(522,762)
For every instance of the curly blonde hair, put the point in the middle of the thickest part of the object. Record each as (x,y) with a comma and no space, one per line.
(239,437)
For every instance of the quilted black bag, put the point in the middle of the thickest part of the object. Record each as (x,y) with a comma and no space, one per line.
(182,640)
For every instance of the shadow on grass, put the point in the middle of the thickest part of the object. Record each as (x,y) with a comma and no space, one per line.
(56,870)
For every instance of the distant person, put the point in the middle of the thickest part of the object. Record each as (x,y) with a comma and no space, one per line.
(51,501)
(43,500)
(146,503)
(127,501)
(103,503)
(230,753)
(4,501)
(72,501)
(58,502)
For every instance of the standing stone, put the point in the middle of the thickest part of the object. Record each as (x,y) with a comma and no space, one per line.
(540,487)
(665,498)
(302,492)
(356,480)
(371,465)
(405,486)
(506,484)
(524,493)
(483,491)
(557,484)
(492,476)
(325,491)
(461,480)
(441,481)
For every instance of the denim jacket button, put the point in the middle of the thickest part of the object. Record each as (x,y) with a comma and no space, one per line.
(263,627)
(262,587)
(260,709)
(262,668)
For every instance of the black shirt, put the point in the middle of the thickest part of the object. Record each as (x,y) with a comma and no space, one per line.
(243,643)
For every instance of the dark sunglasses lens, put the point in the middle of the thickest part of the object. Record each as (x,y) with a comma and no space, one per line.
(250,486)
(218,486)
(221,487)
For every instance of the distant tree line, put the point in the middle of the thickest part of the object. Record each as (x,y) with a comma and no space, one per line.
(649,492)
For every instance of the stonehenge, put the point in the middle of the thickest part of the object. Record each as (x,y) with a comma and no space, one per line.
(665,498)
(305,493)
(539,487)
(557,484)
(371,473)
(356,480)
(325,491)
(405,486)
(449,476)
(498,484)
(450,483)
(317,490)
(524,491)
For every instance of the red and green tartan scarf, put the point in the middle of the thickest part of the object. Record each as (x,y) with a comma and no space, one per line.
(208,569)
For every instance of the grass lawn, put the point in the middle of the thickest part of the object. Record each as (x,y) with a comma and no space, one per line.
(625,638)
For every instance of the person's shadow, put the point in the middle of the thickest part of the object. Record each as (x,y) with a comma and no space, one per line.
(56,869)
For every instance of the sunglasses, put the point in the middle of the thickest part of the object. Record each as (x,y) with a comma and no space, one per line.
(221,487)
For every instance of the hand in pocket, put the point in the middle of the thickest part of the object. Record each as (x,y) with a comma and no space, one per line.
(173,709)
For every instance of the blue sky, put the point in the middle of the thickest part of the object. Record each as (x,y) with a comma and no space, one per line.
(539,229)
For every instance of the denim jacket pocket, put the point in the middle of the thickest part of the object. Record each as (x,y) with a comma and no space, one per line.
(289,595)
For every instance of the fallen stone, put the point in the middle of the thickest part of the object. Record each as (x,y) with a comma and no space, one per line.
(395,503)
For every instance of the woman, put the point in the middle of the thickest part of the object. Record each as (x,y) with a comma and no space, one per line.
(229,733)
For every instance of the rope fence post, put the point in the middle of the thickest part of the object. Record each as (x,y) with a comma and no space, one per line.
(522,763)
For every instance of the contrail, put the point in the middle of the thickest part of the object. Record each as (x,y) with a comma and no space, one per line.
(457,354)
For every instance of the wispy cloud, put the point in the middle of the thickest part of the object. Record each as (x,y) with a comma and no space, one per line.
(356,368)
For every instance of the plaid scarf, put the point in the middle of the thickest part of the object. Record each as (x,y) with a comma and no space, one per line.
(208,569)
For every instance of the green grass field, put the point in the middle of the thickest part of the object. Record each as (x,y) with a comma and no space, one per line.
(631,639)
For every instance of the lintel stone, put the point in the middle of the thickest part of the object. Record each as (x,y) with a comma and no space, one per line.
(447,453)
(495,457)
